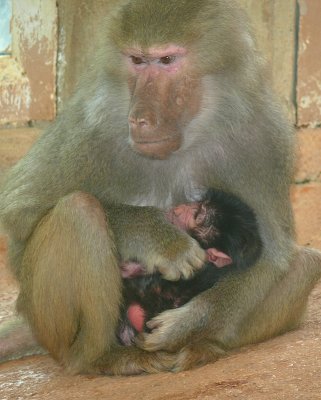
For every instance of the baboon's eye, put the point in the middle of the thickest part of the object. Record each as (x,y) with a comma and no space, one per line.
(137,60)
(167,60)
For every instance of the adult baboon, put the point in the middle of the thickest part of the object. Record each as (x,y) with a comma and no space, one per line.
(178,103)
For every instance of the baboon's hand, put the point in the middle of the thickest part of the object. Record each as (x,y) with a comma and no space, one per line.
(169,331)
(143,234)
(179,260)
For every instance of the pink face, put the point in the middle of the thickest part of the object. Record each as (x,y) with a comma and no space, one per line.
(155,60)
(187,216)
(190,216)
(165,96)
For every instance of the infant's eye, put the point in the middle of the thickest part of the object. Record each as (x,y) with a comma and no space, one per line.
(167,60)
(137,60)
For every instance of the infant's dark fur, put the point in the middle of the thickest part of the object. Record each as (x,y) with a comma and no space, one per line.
(229,226)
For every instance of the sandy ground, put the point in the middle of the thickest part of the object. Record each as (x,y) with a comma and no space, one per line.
(287,367)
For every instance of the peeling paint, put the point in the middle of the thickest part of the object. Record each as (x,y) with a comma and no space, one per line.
(15,95)
(61,65)
(304,45)
(303,7)
(309,65)
(305,101)
(27,90)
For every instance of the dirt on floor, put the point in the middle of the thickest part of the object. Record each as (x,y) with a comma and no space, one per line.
(287,367)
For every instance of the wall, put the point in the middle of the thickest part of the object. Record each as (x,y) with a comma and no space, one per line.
(309,64)
(28,73)
(289,34)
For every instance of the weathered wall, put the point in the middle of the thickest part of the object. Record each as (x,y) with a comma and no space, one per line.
(27,77)
(274,24)
(309,64)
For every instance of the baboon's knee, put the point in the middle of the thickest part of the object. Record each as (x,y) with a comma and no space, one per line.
(83,206)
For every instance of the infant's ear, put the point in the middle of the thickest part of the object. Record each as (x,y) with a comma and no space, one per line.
(218,258)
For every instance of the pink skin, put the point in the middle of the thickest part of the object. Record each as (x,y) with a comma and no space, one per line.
(136,316)
(131,269)
(183,216)
(218,258)
(151,60)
